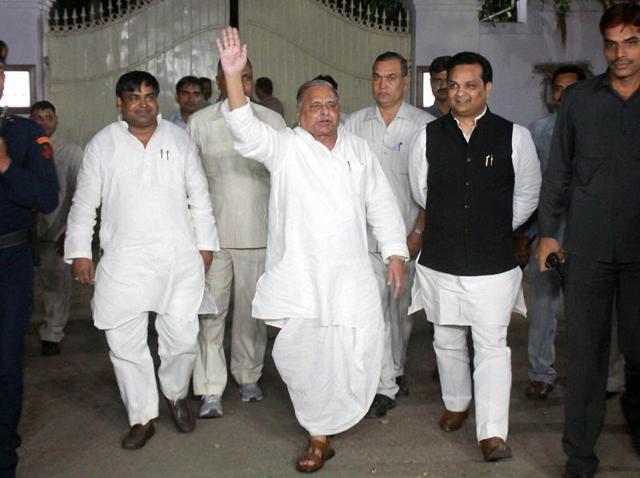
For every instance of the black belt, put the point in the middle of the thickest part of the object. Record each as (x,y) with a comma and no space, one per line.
(13,239)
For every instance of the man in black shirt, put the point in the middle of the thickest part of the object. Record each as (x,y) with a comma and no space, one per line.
(593,175)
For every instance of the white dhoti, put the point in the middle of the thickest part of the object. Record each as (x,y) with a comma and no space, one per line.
(331,372)
(397,324)
(55,278)
(234,271)
(483,303)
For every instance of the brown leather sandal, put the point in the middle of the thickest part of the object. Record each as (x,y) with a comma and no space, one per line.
(314,455)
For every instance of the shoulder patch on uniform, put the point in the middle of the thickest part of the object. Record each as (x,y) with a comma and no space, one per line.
(45,147)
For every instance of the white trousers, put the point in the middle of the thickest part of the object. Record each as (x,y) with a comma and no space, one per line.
(491,377)
(134,368)
(233,271)
(397,324)
(331,372)
(55,279)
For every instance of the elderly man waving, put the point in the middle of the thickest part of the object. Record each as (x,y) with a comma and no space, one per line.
(319,286)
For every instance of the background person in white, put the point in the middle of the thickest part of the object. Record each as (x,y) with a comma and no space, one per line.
(156,216)
(318,285)
(479,178)
(388,126)
(54,273)
(239,190)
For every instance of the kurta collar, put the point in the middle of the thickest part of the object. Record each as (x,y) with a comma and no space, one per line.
(309,137)
(475,122)
(125,125)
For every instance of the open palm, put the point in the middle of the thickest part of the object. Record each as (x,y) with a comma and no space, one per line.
(233,55)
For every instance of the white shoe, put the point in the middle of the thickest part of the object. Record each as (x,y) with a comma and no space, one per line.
(250,392)
(211,406)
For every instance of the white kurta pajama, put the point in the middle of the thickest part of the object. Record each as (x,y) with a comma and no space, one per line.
(390,143)
(53,272)
(484,302)
(318,285)
(156,216)
(239,190)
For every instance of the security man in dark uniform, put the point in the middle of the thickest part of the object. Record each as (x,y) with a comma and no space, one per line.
(28,182)
(592,177)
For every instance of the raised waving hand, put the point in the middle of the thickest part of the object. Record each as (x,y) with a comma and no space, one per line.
(233,57)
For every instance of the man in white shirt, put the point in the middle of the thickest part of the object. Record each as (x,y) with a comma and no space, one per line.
(483,179)
(158,236)
(319,286)
(239,190)
(388,126)
(190,99)
(53,272)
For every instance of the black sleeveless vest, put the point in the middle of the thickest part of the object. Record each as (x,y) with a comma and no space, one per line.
(469,198)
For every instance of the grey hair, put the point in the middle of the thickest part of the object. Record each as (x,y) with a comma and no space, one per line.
(308,84)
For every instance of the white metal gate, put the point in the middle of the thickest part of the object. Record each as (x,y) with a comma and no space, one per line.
(168,38)
(290,41)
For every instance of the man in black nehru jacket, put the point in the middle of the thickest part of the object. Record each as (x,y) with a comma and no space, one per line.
(478,177)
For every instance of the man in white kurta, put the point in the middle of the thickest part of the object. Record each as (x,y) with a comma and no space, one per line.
(54,273)
(156,216)
(479,178)
(388,126)
(239,190)
(319,286)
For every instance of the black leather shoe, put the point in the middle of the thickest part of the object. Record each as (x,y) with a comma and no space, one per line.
(182,415)
(380,405)
(49,349)
(539,390)
(401,381)
(137,436)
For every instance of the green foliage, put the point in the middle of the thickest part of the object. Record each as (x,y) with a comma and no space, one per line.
(562,7)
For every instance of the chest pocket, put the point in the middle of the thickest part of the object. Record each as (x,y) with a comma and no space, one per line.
(166,167)
(356,172)
(399,164)
(493,171)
